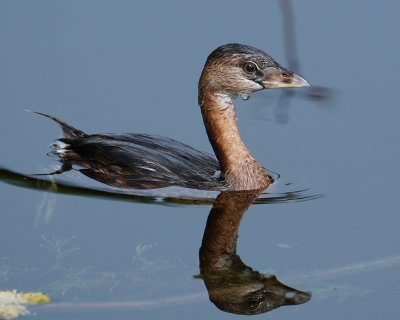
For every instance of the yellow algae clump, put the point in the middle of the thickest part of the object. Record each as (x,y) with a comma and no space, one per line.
(13,303)
(35,297)
(12,311)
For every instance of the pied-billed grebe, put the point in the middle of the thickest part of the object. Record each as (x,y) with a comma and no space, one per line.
(148,161)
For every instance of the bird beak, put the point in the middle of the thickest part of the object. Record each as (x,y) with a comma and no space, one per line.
(279,77)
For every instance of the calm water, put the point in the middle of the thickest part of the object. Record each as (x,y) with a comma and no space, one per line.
(127,67)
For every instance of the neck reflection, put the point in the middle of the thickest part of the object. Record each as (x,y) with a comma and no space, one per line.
(232,285)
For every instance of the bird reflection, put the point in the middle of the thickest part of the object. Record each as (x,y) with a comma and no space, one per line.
(232,285)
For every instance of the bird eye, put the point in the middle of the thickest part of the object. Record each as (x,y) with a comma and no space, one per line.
(253,305)
(250,67)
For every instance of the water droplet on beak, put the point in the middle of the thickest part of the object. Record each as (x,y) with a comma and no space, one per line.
(245,96)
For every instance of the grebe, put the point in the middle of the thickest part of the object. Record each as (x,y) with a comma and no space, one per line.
(145,161)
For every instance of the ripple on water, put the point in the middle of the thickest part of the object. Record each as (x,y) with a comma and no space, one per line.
(76,184)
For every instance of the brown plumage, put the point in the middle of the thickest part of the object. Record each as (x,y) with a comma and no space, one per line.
(147,161)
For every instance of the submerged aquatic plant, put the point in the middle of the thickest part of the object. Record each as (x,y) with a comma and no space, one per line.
(13,303)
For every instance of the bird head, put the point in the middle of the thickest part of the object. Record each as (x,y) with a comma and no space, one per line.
(240,69)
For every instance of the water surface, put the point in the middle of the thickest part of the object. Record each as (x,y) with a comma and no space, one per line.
(127,67)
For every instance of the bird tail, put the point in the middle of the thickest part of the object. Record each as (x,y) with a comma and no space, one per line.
(68,131)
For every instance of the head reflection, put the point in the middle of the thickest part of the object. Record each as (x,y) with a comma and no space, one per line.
(232,285)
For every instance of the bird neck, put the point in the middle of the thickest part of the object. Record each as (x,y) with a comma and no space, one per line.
(239,169)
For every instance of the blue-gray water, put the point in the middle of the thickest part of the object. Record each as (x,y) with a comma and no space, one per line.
(129,67)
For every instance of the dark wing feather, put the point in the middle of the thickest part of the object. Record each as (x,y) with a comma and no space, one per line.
(136,160)
(141,161)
